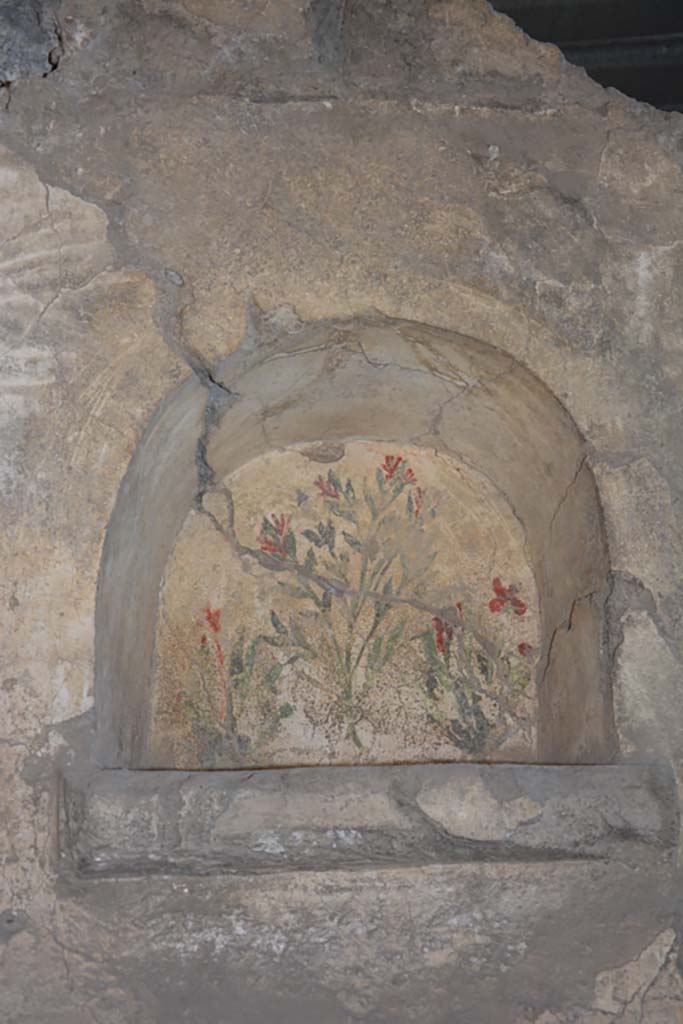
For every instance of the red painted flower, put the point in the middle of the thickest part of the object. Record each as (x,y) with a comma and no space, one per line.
(418,501)
(271,539)
(526,650)
(443,633)
(505,596)
(458,605)
(390,466)
(270,546)
(213,618)
(327,488)
(410,476)
(281,523)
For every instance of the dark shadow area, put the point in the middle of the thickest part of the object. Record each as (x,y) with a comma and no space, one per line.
(632,46)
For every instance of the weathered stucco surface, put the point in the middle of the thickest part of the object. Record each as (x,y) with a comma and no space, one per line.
(168,166)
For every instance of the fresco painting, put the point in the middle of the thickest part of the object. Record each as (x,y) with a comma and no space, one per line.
(357,603)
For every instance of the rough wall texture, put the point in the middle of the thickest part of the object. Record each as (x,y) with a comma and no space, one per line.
(425,160)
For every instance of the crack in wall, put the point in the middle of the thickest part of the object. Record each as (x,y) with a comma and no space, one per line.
(568,489)
(643,993)
(32,42)
(621,992)
(565,625)
(336,588)
(431,373)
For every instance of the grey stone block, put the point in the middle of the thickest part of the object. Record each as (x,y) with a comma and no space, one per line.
(121,822)
(29,39)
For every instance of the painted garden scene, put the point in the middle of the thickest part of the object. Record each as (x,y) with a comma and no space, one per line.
(357,603)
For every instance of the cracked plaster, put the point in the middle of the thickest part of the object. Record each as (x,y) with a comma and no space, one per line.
(508,198)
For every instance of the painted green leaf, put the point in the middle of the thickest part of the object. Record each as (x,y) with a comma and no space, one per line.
(370,501)
(392,642)
(290,544)
(272,641)
(272,676)
(236,665)
(486,666)
(334,480)
(252,651)
(298,637)
(375,652)
(297,591)
(432,685)
(430,649)
(352,541)
(328,535)
(278,624)
(270,530)
(344,513)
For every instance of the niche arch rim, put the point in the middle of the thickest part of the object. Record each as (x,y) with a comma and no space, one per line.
(508,425)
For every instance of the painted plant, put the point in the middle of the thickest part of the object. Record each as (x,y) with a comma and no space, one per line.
(357,620)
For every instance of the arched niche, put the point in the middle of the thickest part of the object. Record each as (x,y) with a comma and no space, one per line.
(302,413)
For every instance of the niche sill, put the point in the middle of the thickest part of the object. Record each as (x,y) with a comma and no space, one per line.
(127,823)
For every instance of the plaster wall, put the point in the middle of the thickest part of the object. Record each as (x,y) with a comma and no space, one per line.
(188,161)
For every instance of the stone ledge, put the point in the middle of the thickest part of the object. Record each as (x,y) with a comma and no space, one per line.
(117,822)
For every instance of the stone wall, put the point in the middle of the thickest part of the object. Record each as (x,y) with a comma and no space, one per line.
(172,171)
